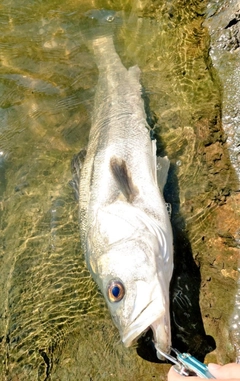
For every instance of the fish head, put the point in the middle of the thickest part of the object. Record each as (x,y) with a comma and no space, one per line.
(133,278)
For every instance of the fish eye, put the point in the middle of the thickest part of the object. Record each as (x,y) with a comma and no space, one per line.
(115,291)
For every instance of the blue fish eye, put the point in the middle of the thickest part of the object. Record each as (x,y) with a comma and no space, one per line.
(115,291)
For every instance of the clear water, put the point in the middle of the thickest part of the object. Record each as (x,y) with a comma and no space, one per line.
(53,319)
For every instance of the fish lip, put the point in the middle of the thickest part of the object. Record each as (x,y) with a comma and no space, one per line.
(135,332)
(130,339)
(138,326)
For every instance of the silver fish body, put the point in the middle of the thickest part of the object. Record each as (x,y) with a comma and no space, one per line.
(125,228)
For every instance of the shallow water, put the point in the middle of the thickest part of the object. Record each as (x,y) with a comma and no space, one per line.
(53,319)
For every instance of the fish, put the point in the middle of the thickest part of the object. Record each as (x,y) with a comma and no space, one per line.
(125,228)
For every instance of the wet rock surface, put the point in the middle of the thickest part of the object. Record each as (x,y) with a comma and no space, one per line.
(223,23)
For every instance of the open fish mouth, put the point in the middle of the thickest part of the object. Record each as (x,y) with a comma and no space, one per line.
(130,340)
(161,333)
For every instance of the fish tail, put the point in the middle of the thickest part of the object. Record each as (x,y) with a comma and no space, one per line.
(102,46)
(99,27)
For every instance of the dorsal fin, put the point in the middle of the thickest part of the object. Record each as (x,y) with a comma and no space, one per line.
(123,177)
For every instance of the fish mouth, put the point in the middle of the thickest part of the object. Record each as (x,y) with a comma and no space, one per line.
(161,331)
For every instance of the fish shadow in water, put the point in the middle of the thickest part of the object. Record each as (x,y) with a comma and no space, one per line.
(188,333)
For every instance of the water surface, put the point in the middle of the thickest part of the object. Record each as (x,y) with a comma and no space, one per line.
(53,319)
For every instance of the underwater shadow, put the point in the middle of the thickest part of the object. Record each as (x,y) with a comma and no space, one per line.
(188,333)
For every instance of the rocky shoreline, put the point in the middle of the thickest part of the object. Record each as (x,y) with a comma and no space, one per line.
(223,23)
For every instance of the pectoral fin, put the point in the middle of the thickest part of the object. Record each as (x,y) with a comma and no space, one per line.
(124,179)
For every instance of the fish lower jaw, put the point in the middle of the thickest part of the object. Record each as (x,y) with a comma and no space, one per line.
(161,335)
(132,339)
